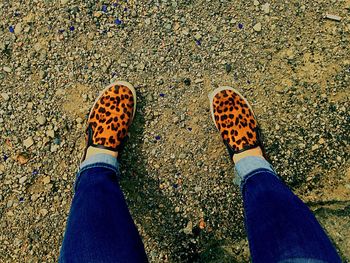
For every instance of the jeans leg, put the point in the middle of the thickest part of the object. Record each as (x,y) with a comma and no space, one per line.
(280,227)
(99,226)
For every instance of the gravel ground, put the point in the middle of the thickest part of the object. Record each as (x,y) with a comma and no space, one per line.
(286,57)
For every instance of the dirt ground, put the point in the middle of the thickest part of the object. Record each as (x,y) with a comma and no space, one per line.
(291,59)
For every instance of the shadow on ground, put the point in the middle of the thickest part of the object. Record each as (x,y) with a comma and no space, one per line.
(154,213)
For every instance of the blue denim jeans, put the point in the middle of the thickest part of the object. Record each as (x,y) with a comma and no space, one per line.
(99,227)
(280,227)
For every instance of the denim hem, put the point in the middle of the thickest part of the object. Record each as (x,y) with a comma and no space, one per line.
(100,160)
(247,165)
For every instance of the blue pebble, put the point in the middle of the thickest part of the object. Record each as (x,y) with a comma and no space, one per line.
(12,29)
(57,141)
(118,22)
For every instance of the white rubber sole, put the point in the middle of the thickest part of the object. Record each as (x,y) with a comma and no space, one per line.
(119,82)
(216,91)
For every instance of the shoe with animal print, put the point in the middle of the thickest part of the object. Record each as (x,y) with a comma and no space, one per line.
(235,120)
(111,117)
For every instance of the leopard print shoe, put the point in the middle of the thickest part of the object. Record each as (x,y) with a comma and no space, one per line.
(111,117)
(235,120)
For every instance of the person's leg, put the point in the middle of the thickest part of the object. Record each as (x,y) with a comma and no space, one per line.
(280,227)
(99,226)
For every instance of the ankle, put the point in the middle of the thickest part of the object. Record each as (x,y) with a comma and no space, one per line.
(93,150)
(251,152)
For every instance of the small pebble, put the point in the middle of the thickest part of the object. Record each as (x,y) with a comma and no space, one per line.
(188,229)
(141,66)
(266,8)
(257,27)
(46,180)
(333,17)
(50,133)
(18,29)
(28,142)
(43,212)
(22,179)
(314,147)
(197,36)
(41,119)
(5,96)
(7,69)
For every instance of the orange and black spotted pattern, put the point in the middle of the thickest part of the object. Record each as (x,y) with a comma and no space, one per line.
(235,120)
(111,116)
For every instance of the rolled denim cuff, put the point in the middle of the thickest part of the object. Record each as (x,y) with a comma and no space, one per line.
(100,160)
(247,165)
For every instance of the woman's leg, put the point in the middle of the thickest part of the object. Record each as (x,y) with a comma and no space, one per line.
(100,227)
(280,227)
